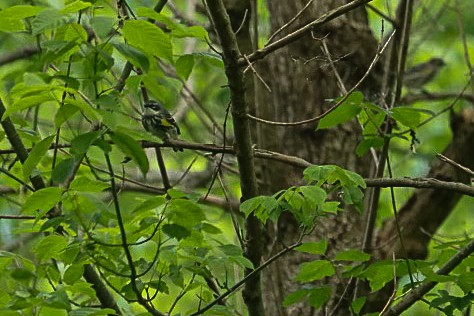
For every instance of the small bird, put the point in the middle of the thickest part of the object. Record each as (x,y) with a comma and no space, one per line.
(159,122)
(419,75)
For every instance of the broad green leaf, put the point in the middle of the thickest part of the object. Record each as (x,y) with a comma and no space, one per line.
(81,144)
(319,296)
(133,55)
(364,146)
(145,251)
(131,148)
(84,184)
(57,299)
(379,274)
(150,204)
(63,170)
(189,31)
(357,304)
(50,247)
(315,270)
(28,102)
(352,255)
(47,19)
(176,231)
(84,107)
(185,213)
(231,250)
(11,19)
(43,199)
(90,311)
(262,206)
(407,116)
(344,112)
(75,6)
(184,66)
(315,196)
(36,155)
(316,248)
(73,273)
(148,38)
(295,297)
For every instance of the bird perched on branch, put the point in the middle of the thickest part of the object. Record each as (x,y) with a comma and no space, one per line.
(159,122)
(419,75)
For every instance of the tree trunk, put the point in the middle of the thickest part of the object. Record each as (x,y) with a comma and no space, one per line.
(302,79)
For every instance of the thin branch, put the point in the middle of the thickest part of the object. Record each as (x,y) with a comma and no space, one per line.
(22,53)
(327,17)
(419,292)
(335,106)
(287,24)
(455,164)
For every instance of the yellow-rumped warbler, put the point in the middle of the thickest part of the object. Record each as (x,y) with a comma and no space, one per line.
(419,75)
(159,122)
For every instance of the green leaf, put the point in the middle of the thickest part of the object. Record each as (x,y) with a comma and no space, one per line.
(315,270)
(133,55)
(50,247)
(28,102)
(43,199)
(84,107)
(73,273)
(57,299)
(184,66)
(357,304)
(150,204)
(35,156)
(319,296)
(364,146)
(295,297)
(176,231)
(47,19)
(262,206)
(11,19)
(81,143)
(84,184)
(316,248)
(409,117)
(189,31)
(64,113)
(148,38)
(352,255)
(75,6)
(185,213)
(131,148)
(63,170)
(344,112)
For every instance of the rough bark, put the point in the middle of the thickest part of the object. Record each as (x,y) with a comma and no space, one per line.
(301,80)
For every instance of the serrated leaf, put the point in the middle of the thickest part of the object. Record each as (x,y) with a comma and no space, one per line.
(316,248)
(43,199)
(50,247)
(262,206)
(131,148)
(149,38)
(315,270)
(352,255)
(35,156)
